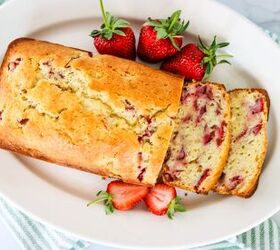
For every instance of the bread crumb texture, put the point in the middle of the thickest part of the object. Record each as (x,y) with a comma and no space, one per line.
(249,110)
(200,141)
(101,114)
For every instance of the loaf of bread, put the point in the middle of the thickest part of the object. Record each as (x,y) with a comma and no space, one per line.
(249,108)
(200,142)
(100,114)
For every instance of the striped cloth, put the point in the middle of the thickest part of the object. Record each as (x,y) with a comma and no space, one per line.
(33,235)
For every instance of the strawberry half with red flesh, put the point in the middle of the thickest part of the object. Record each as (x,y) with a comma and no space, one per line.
(196,62)
(121,196)
(115,37)
(163,199)
(161,39)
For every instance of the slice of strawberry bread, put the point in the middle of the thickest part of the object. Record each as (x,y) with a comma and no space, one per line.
(199,147)
(249,108)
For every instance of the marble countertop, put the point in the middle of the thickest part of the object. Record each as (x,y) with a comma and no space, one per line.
(265,13)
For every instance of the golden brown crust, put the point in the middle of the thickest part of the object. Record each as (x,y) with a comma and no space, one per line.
(263,91)
(216,84)
(252,186)
(41,156)
(95,113)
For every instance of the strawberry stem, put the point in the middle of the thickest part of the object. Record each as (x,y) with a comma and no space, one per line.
(169,27)
(175,206)
(174,17)
(107,201)
(224,56)
(211,59)
(96,201)
(111,25)
(104,14)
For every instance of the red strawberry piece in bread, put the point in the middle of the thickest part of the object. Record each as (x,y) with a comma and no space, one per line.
(196,62)
(163,199)
(115,37)
(258,106)
(161,38)
(121,196)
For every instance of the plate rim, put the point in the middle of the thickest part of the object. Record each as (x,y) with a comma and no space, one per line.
(257,29)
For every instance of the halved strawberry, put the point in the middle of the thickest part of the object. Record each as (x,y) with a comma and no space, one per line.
(163,199)
(120,195)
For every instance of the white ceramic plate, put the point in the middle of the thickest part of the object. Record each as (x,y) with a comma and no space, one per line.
(58,195)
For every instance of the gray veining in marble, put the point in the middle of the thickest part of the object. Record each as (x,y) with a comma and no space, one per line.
(265,13)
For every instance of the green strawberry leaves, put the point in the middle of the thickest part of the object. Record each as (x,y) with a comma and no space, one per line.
(211,59)
(107,201)
(170,27)
(175,206)
(111,25)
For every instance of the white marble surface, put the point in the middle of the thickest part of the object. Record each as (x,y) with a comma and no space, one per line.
(266,13)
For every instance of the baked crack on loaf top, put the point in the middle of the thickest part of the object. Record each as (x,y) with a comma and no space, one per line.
(200,141)
(100,114)
(249,108)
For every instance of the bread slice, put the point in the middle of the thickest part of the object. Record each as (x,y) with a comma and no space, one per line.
(100,114)
(249,108)
(200,143)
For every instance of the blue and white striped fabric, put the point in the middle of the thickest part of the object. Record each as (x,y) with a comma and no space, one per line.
(33,235)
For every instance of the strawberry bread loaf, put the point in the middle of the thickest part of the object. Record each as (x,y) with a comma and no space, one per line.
(101,114)
(249,108)
(200,142)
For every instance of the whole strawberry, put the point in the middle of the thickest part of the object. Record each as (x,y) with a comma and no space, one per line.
(196,62)
(115,37)
(161,39)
